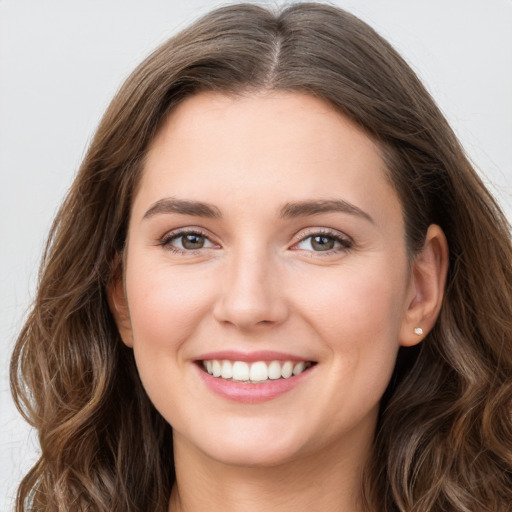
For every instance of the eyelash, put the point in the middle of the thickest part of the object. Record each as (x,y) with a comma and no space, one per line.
(175,235)
(345,243)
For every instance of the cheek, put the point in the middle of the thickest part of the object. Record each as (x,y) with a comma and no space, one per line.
(356,299)
(166,306)
(357,315)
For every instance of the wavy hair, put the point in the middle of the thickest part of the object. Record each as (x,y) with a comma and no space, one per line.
(444,435)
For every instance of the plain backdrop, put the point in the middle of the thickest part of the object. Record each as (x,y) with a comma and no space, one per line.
(62,61)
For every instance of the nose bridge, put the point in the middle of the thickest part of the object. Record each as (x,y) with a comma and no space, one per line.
(251,295)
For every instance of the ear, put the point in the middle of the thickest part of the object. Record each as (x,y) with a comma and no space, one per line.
(119,306)
(425,297)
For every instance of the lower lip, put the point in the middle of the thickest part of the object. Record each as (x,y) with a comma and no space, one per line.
(252,393)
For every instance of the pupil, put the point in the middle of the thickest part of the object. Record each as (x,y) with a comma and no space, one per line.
(322,243)
(192,241)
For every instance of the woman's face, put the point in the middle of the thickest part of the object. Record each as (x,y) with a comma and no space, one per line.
(265,234)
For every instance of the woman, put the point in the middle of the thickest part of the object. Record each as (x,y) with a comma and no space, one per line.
(275,283)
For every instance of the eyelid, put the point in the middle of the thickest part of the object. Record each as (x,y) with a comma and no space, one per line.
(311,231)
(168,237)
(345,241)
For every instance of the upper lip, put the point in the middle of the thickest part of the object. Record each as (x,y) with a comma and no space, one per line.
(250,357)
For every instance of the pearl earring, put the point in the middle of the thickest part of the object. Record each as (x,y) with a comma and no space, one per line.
(418,331)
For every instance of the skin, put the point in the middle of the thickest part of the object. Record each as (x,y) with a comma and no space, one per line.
(258,283)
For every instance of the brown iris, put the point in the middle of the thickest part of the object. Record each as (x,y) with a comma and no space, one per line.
(192,241)
(322,243)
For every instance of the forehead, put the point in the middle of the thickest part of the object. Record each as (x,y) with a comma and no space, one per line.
(276,120)
(280,145)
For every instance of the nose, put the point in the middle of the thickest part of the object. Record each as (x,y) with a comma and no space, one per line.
(252,295)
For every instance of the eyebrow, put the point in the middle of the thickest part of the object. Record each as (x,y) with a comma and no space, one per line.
(183,206)
(289,210)
(306,208)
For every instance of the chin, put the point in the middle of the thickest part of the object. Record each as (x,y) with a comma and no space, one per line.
(259,446)
(252,455)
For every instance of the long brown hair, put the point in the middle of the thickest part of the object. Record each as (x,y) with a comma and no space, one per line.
(444,438)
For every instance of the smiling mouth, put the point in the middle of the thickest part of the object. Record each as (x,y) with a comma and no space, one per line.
(256,372)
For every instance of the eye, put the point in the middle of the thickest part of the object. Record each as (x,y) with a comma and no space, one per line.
(324,242)
(185,241)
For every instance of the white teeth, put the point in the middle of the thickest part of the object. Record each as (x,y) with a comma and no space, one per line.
(274,370)
(259,371)
(298,368)
(240,370)
(227,370)
(216,368)
(287,370)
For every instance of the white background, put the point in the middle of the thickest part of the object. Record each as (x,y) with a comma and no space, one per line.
(61,62)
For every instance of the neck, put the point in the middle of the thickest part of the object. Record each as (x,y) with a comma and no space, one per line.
(329,480)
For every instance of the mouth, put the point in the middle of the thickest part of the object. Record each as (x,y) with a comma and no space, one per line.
(256,372)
